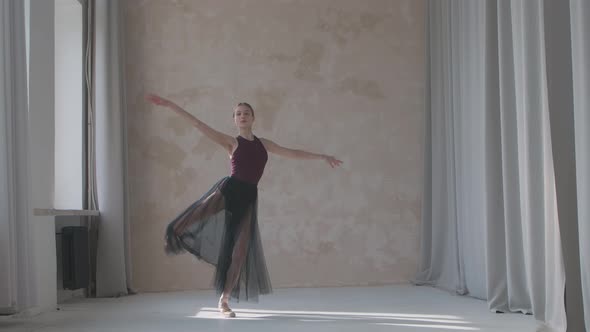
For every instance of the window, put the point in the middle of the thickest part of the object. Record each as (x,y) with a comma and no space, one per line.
(69,105)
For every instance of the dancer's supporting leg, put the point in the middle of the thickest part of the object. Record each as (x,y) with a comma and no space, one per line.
(239,255)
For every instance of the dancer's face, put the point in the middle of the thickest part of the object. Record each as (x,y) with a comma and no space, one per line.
(243,116)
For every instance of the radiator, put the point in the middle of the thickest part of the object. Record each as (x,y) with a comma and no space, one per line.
(75,258)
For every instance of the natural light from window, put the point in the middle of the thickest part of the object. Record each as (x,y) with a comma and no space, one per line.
(68,105)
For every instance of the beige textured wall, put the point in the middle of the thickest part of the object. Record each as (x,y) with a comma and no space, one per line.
(344,77)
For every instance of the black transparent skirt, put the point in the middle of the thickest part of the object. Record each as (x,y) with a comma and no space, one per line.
(221,228)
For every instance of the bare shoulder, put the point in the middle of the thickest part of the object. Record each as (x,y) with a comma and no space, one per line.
(268,144)
(233,146)
(234,142)
(273,147)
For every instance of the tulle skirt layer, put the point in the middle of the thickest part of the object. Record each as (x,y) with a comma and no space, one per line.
(221,228)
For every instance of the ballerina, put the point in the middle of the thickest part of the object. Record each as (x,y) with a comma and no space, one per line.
(221,228)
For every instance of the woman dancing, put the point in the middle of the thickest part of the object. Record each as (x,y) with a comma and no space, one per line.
(221,227)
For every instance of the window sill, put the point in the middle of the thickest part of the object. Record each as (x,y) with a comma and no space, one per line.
(58,212)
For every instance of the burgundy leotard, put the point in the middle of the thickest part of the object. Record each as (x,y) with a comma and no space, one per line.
(248,160)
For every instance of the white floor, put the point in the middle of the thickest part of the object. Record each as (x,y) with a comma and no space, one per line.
(366,309)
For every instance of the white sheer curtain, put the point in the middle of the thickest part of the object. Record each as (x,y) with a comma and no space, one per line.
(17,284)
(497,113)
(580,29)
(109,126)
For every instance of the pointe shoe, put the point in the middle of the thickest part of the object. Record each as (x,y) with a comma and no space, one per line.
(225,310)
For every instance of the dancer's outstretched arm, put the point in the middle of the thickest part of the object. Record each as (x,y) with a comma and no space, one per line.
(226,141)
(298,154)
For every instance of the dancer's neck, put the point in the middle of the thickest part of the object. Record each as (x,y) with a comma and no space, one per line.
(247,133)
